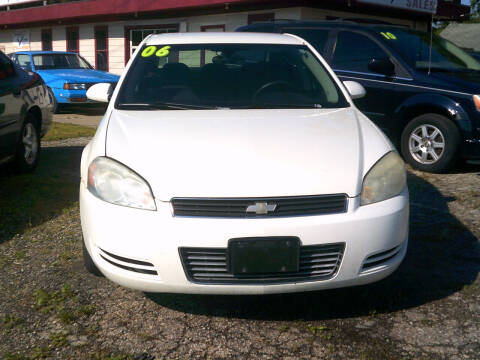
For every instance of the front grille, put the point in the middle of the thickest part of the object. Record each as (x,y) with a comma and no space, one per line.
(124,263)
(380,258)
(209,266)
(237,207)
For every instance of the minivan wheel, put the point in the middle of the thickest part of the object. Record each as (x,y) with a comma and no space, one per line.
(88,262)
(430,143)
(28,147)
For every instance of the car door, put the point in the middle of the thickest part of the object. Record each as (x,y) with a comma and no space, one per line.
(10,107)
(350,58)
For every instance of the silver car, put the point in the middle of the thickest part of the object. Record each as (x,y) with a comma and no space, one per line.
(25,115)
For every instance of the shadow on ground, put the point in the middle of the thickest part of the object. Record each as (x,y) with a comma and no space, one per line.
(443,257)
(84,109)
(31,199)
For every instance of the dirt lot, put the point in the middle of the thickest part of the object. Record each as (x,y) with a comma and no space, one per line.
(51,308)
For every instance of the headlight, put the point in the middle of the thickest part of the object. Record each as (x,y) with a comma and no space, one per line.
(115,183)
(476,100)
(386,179)
(74,86)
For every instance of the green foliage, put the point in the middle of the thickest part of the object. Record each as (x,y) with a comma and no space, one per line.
(10,321)
(61,131)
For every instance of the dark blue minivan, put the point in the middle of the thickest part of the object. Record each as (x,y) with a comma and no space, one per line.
(426,100)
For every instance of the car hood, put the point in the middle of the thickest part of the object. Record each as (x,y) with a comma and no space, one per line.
(242,153)
(78,75)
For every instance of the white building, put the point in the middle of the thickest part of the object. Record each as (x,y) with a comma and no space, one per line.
(106,32)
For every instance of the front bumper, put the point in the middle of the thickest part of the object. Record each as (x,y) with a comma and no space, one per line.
(155,237)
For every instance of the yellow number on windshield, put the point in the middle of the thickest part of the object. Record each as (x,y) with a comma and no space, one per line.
(164,51)
(149,51)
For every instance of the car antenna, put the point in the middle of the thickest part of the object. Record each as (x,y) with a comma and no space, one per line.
(430,47)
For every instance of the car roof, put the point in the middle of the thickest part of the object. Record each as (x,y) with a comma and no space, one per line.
(358,24)
(222,37)
(44,52)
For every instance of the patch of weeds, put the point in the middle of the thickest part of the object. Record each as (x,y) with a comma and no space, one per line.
(12,356)
(104,356)
(40,353)
(283,328)
(19,255)
(315,330)
(61,131)
(372,313)
(4,261)
(64,302)
(471,289)
(58,340)
(66,255)
(10,321)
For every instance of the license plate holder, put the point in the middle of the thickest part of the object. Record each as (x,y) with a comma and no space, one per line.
(263,255)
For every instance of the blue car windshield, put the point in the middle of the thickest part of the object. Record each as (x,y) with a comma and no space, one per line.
(59,61)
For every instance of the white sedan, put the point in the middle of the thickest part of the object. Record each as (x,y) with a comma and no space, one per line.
(237,163)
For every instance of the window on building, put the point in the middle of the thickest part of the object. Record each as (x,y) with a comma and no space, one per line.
(207,56)
(354,51)
(72,39)
(135,35)
(264,17)
(101,48)
(46,39)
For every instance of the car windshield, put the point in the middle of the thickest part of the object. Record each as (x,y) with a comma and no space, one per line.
(414,47)
(59,61)
(218,76)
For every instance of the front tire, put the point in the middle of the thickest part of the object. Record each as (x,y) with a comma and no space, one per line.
(28,147)
(88,262)
(430,143)
(56,106)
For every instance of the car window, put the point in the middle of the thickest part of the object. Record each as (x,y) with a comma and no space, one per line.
(316,37)
(354,51)
(59,61)
(230,76)
(24,61)
(414,47)
(6,68)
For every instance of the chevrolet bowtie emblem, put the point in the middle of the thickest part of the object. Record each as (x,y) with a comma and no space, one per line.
(261,208)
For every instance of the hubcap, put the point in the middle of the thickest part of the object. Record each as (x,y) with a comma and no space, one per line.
(30,143)
(426,144)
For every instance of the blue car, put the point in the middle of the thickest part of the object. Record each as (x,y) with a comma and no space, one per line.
(67,75)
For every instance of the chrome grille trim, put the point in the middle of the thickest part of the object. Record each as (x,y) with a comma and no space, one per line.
(209,266)
(237,207)
(379,258)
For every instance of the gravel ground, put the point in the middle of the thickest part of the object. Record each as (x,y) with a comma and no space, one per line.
(51,308)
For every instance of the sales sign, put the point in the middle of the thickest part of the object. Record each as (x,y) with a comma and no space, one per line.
(425,6)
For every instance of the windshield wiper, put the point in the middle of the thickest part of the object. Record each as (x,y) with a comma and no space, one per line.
(162,106)
(285,106)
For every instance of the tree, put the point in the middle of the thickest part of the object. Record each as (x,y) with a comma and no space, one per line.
(475,9)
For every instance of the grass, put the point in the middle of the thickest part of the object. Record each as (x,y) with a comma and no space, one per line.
(39,196)
(61,131)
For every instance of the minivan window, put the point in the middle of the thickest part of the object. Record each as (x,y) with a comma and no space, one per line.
(354,51)
(414,47)
(316,37)
(236,76)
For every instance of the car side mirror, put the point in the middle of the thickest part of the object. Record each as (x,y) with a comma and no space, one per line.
(355,89)
(100,92)
(382,66)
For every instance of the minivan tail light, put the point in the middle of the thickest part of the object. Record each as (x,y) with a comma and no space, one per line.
(476,100)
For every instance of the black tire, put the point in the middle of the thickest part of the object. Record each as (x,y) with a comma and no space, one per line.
(56,106)
(427,154)
(27,153)
(88,262)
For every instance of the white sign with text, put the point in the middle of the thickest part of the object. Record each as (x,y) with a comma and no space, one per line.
(426,6)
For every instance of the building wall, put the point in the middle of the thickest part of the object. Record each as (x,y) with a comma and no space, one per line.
(116,30)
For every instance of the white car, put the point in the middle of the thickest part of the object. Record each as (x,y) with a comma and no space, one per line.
(237,163)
